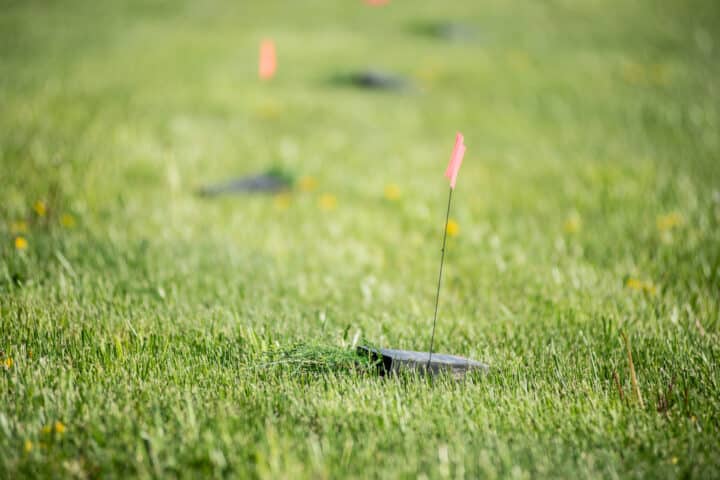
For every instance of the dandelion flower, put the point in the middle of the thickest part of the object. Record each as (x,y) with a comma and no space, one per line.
(328,201)
(282,201)
(8,362)
(392,192)
(453,229)
(669,221)
(19,227)
(21,243)
(519,60)
(572,224)
(641,286)
(59,427)
(307,183)
(269,110)
(428,75)
(28,446)
(40,208)
(634,284)
(67,220)
(634,73)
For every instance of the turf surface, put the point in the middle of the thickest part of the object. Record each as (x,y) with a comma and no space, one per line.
(146,331)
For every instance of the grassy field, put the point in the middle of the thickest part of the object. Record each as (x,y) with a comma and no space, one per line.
(148,332)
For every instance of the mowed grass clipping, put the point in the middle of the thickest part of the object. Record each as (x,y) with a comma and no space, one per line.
(148,332)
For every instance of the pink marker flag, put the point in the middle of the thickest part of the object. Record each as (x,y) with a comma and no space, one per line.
(268,63)
(456,159)
(376,3)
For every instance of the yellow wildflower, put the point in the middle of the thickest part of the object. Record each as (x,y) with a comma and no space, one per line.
(59,427)
(453,229)
(634,73)
(669,221)
(47,429)
(641,286)
(428,74)
(28,446)
(392,192)
(282,201)
(328,201)
(40,208)
(8,362)
(307,183)
(674,460)
(67,220)
(519,60)
(21,243)
(269,110)
(572,224)
(19,227)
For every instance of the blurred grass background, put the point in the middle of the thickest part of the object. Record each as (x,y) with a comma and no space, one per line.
(588,204)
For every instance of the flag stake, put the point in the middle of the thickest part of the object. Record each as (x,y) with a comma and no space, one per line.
(390,361)
(442,262)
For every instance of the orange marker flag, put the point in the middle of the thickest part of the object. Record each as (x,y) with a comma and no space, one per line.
(268,63)
(451,172)
(456,159)
(376,3)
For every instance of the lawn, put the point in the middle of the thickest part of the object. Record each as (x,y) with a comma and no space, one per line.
(150,332)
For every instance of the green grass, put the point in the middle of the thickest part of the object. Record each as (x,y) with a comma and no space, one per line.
(176,336)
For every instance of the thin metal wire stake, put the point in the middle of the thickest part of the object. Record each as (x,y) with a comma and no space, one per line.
(442,261)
